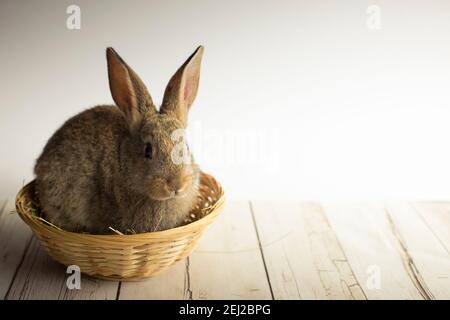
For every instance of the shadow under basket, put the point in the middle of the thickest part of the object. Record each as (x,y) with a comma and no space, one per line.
(123,257)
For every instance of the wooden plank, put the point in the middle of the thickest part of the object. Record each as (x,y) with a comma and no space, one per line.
(226,265)
(372,250)
(167,285)
(437,216)
(15,237)
(39,277)
(304,258)
(426,257)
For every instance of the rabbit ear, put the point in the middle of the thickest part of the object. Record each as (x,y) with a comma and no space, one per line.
(127,89)
(182,88)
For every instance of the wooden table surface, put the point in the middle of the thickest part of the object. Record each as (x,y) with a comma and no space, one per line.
(268,250)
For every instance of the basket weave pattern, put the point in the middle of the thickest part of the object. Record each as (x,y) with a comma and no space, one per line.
(123,257)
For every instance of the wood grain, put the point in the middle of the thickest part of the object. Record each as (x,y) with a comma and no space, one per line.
(226,265)
(167,285)
(39,277)
(15,238)
(437,216)
(304,258)
(425,255)
(372,250)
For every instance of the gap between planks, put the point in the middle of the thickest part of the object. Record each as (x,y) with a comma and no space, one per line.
(260,248)
(306,260)
(227,264)
(427,255)
(408,261)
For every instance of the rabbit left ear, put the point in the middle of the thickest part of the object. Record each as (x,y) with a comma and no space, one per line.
(182,88)
(127,89)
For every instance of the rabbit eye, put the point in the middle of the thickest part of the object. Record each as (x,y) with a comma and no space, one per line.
(148,151)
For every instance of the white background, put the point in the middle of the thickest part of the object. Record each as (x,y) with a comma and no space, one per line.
(341,111)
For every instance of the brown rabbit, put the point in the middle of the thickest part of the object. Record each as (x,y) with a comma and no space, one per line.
(113,167)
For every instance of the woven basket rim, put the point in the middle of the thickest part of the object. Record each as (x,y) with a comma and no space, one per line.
(34,222)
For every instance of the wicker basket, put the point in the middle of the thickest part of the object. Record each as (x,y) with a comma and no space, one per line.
(123,257)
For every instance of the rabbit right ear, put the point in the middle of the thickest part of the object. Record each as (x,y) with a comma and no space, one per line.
(127,89)
(182,88)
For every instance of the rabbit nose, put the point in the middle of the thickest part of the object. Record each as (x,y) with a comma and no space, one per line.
(176,185)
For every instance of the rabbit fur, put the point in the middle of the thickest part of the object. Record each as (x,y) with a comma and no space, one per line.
(98,171)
